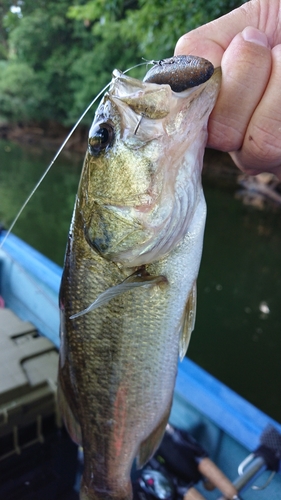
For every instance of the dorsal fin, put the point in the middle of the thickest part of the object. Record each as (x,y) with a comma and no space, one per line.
(70,421)
(188,321)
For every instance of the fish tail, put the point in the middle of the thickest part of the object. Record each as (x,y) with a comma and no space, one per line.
(91,493)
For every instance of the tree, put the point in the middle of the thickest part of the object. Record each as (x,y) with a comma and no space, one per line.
(55,57)
(154,25)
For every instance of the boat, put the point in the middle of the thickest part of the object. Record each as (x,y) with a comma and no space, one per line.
(227,426)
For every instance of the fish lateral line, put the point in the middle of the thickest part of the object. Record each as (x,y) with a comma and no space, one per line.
(136,280)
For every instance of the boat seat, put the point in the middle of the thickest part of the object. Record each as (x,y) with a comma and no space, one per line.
(28,373)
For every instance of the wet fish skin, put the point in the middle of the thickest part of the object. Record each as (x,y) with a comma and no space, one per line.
(140,211)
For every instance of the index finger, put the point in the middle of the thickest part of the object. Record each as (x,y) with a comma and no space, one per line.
(212,39)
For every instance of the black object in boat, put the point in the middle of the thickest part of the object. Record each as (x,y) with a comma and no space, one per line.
(180,452)
(172,470)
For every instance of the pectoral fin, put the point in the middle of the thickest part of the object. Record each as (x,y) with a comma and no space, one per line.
(152,442)
(138,279)
(188,321)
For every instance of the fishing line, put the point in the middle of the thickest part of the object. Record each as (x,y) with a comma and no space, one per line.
(59,152)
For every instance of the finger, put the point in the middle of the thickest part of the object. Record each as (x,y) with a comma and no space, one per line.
(261,150)
(199,43)
(212,39)
(246,67)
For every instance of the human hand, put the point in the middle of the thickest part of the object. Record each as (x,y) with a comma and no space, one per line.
(246,120)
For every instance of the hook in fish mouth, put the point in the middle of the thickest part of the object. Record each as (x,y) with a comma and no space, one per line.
(180,72)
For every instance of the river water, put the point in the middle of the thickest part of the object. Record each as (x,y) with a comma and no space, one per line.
(237,336)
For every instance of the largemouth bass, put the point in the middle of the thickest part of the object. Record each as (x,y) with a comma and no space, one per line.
(128,291)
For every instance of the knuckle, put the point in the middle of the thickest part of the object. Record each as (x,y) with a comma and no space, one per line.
(225,136)
(264,144)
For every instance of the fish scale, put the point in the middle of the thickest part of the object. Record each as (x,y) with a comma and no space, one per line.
(128,288)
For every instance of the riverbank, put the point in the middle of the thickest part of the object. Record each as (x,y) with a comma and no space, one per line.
(47,135)
(218,167)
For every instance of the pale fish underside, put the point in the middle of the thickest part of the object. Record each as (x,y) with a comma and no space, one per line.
(128,292)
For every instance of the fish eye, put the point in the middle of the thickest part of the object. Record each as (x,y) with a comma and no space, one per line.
(101,136)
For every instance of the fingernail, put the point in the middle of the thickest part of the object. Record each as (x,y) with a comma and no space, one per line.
(254,35)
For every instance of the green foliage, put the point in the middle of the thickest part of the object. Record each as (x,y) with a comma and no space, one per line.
(154,26)
(92,70)
(21,91)
(159,24)
(54,56)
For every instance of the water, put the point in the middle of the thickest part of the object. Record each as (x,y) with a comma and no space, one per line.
(237,336)
(45,222)
(238,329)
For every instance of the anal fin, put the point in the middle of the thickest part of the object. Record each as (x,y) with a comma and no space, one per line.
(149,446)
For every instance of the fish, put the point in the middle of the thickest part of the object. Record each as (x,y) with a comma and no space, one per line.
(128,290)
